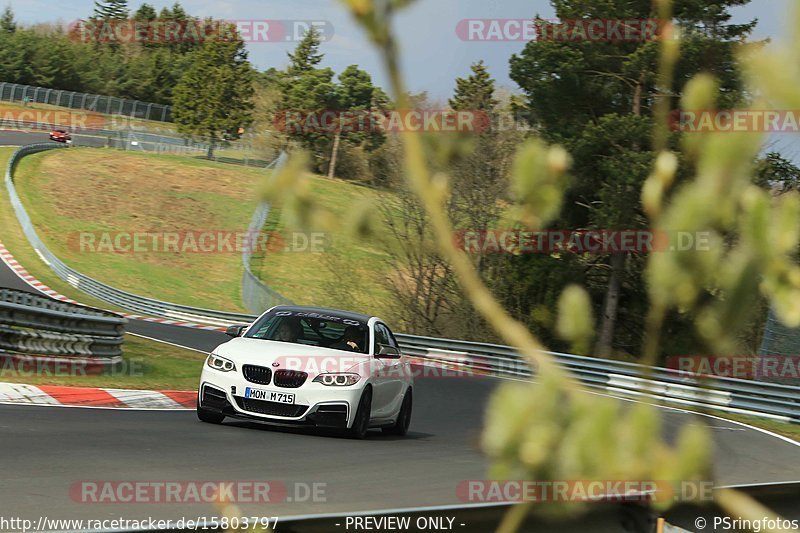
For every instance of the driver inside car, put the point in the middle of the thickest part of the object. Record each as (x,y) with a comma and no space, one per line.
(288,330)
(351,339)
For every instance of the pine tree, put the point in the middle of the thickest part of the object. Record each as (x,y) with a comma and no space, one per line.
(597,99)
(145,13)
(7,22)
(475,92)
(306,56)
(111,10)
(178,13)
(214,98)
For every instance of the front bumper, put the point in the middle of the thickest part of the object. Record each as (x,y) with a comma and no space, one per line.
(315,404)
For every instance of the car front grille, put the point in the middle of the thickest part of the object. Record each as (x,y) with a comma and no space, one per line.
(271,408)
(257,374)
(290,379)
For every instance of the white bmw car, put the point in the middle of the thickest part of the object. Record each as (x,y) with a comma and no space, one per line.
(308,366)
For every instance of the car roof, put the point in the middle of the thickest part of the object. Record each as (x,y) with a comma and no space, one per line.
(311,309)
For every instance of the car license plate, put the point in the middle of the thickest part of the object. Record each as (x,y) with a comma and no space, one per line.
(268,395)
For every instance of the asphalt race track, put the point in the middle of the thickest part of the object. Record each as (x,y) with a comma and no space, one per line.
(45,451)
(20,138)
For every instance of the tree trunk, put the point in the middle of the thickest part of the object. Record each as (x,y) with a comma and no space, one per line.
(608,323)
(334,154)
(210,154)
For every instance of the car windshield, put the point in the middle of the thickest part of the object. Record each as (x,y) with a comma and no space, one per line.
(324,330)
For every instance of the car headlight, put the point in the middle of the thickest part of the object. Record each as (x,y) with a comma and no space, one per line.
(220,363)
(344,379)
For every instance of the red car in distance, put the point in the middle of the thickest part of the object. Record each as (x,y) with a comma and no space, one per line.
(60,136)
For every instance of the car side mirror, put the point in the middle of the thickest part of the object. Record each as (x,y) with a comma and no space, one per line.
(386,351)
(236,330)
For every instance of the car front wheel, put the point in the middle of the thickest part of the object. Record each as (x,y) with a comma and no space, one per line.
(400,427)
(209,417)
(361,422)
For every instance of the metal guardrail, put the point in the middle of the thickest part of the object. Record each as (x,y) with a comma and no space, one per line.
(672,387)
(776,401)
(14,92)
(256,295)
(37,325)
(98,289)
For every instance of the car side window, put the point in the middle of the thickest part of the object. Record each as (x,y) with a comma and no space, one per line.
(390,336)
(381,335)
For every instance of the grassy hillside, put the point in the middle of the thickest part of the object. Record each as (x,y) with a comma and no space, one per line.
(70,193)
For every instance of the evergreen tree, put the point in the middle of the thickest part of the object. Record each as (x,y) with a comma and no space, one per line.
(475,92)
(145,13)
(306,56)
(165,14)
(355,93)
(308,89)
(214,98)
(111,10)
(7,22)
(597,99)
(178,13)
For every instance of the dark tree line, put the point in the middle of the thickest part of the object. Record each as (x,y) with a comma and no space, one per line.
(56,57)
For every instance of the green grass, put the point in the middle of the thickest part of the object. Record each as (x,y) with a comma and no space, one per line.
(351,273)
(117,192)
(15,241)
(111,191)
(148,365)
(781,428)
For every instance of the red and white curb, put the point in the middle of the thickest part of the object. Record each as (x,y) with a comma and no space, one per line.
(54,395)
(25,276)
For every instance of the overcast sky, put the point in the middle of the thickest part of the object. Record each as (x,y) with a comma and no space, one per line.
(433,53)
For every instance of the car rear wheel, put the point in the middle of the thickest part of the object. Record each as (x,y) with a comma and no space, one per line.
(400,427)
(209,417)
(361,422)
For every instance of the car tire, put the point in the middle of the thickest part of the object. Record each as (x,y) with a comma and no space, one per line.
(361,421)
(210,417)
(400,427)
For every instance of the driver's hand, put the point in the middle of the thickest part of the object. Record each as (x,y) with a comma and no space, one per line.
(352,345)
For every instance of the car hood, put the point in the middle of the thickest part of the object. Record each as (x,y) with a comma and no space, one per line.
(286,355)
